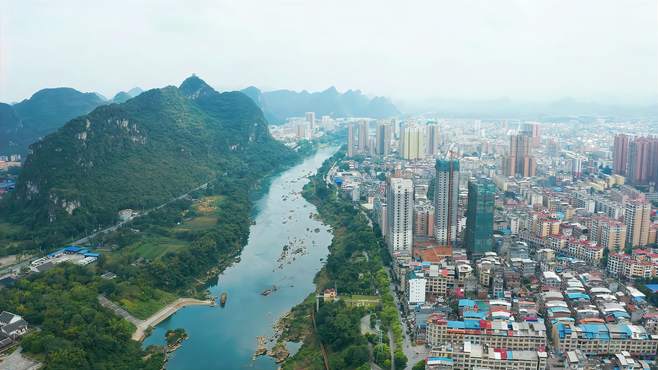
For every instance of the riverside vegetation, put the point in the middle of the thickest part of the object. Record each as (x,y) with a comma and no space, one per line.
(135,155)
(338,324)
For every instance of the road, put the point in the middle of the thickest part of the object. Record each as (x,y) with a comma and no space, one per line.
(112,228)
(16,361)
(413,352)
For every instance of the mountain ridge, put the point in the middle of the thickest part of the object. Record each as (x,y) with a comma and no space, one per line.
(140,153)
(277,105)
(41,114)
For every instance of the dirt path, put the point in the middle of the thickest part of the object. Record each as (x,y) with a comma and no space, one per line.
(164,313)
(156,318)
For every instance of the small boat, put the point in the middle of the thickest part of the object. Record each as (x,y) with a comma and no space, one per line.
(222,299)
(269,291)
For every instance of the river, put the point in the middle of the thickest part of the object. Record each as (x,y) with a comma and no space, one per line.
(225,338)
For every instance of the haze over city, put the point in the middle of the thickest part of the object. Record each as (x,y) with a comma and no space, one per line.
(342,185)
(415,53)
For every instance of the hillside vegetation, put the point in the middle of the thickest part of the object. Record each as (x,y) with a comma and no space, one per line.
(139,154)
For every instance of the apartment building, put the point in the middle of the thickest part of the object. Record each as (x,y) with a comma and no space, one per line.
(495,333)
(604,339)
(476,356)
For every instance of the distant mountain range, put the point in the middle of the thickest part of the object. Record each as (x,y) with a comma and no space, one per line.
(281,104)
(141,153)
(123,96)
(24,123)
(44,112)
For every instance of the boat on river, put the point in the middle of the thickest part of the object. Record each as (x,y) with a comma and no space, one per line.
(222,299)
(269,291)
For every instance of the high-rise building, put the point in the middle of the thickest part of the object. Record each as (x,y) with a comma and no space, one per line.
(446,201)
(424,220)
(532,130)
(363,136)
(310,118)
(520,160)
(637,217)
(412,143)
(400,208)
(383,139)
(478,236)
(642,164)
(433,139)
(302,130)
(350,140)
(620,154)
(613,235)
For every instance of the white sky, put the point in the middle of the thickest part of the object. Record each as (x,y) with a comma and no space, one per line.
(603,50)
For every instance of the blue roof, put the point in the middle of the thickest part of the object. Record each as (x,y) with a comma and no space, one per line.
(472,324)
(653,287)
(577,295)
(466,303)
(456,325)
(439,359)
(618,314)
(475,314)
(90,254)
(56,253)
(72,248)
(595,331)
(558,309)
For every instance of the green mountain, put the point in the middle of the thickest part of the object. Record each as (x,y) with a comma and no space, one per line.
(280,104)
(43,113)
(123,96)
(10,124)
(141,153)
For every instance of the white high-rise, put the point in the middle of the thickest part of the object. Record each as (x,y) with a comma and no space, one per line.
(310,118)
(362,143)
(350,140)
(400,209)
(637,217)
(446,201)
(412,143)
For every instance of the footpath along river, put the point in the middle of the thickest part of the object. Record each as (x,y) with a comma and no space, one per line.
(225,338)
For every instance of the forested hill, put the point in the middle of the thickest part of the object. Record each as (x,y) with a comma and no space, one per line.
(281,104)
(139,154)
(47,110)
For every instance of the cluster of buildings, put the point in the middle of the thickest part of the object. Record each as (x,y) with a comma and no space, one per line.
(516,244)
(77,255)
(12,327)
(305,128)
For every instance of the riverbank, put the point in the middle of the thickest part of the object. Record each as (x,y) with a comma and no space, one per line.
(164,313)
(355,266)
(227,337)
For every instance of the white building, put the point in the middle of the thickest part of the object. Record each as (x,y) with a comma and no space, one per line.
(417,289)
(412,143)
(400,208)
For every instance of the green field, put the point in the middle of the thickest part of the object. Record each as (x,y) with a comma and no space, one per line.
(142,303)
(153,247)
(197,223)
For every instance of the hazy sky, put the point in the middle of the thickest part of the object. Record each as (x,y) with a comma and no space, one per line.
(459,49)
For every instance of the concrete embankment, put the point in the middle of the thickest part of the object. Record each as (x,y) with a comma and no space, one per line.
(164,313)
(155,319)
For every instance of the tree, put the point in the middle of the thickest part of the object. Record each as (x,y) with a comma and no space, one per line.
(381,354)
(400,360)
(420,365)
(355,356)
